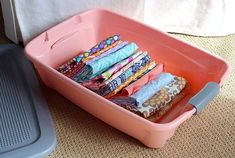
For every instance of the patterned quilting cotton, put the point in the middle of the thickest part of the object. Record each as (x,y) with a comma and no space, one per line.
(152,87)
(96,68)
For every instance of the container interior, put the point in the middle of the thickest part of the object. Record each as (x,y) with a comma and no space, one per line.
(81,32)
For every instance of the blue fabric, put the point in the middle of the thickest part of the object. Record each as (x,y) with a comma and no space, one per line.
(104,63)
(125,75)
(152,87)
(114,49)
(116,82)
(97,67)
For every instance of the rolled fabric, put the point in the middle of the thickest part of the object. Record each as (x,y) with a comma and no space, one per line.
(103,44)
(109,51)
(135,86)
(162,97)
(96,68)
(130,79)
(149,89)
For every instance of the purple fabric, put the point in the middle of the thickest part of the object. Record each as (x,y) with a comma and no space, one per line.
(120,100)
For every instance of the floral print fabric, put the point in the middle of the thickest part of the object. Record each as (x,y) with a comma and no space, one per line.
(163,97)
(159,100)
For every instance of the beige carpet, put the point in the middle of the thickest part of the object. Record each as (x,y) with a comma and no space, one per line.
(210,134)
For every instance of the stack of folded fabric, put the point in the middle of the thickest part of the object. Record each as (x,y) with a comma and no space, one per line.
(127,76)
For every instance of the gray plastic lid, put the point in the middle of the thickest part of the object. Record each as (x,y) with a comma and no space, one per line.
(26,128)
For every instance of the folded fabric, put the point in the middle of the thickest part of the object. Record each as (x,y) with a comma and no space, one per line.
(159,114)
(92,56)
(125,75)
(101,54)
(145,72)
(112,85)
(66,67)
(76,61)
(127,103)
(95,68)
(149,89)
(103,44)
(156,102)
(74,70)
(100,81)
(131,78)
(126,67)
(162,97)
(135,86)
(124,101)
(114,69)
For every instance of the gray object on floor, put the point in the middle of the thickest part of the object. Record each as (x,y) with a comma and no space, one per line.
(26,128)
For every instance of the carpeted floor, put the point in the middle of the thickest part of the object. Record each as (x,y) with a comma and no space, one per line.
(210,134)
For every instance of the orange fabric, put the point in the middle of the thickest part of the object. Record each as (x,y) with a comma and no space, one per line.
(135,86)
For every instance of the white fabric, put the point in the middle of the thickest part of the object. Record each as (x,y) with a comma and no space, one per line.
(197,17)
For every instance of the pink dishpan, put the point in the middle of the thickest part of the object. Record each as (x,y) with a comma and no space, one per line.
(205,72)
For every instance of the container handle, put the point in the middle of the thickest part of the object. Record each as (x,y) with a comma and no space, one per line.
(63,31)
(65,37)
(204,96)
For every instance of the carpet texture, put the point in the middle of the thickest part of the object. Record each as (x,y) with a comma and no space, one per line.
(210,134)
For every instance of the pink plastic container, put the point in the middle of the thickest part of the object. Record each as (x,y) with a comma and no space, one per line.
(82,31)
